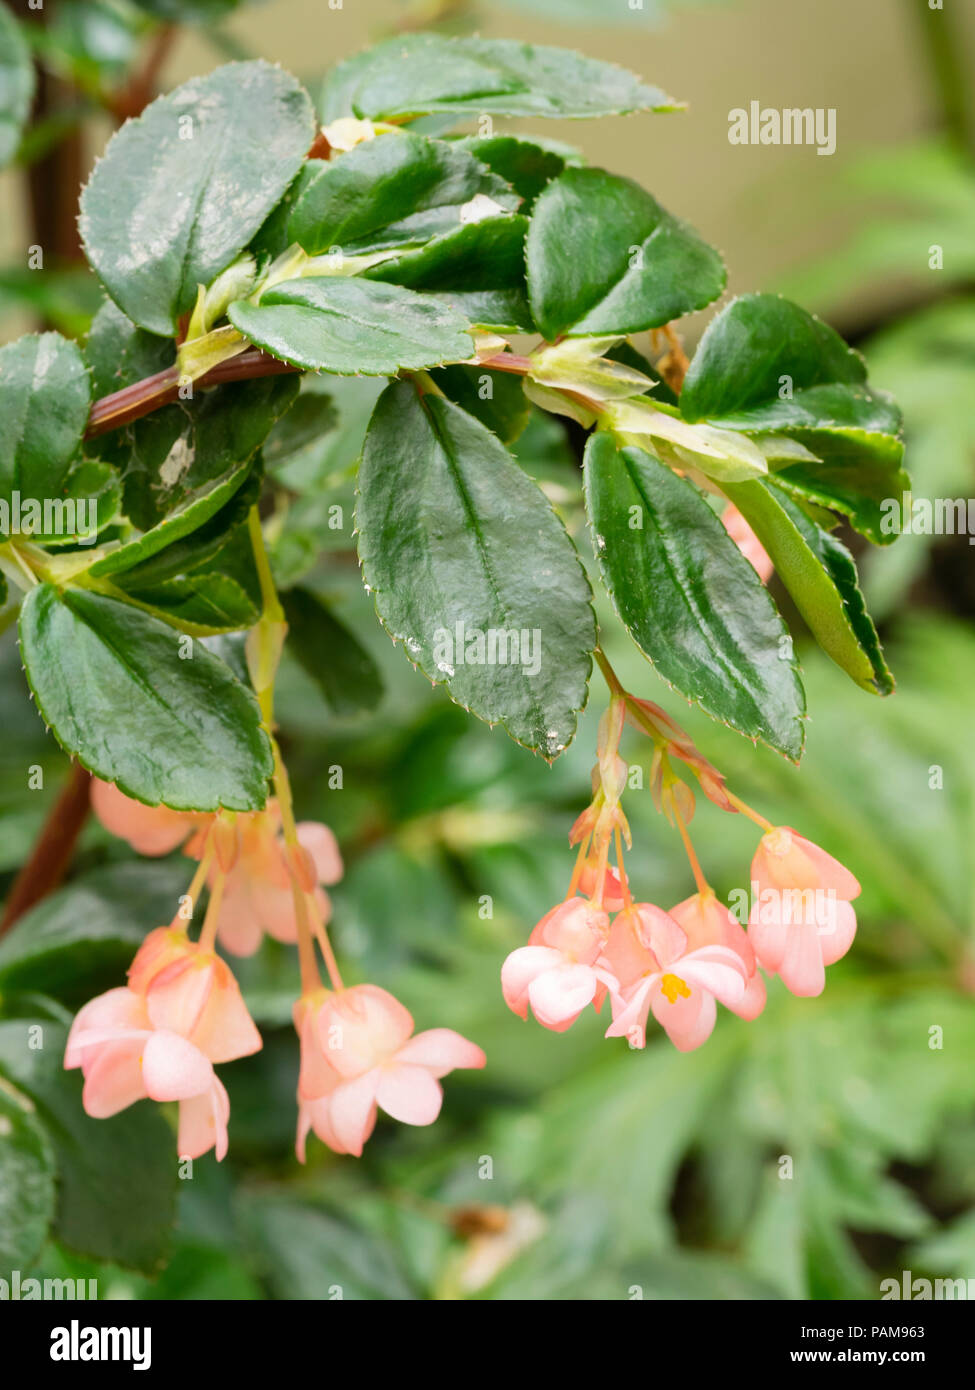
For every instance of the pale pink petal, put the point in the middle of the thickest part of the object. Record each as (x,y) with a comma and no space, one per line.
(323,847)
(113,1080)
(753,1002)
(304,1126)
(768,934)
(409,1094)
(226,1030)
(352,1111)
(203,1123)
(559,995)
(630,1011)
(785,859)
(747,542)
(361,1027)
(626,953)
(717,970)
(117,1008)
(239,929)
(660,933)
(689,1021)
(520,969)
(150,830)
(177,998)
(440,1050)
(575,928)
(837,933)
(707,922)
(274,907)
(802,970)
(174,1069)
(319,1116)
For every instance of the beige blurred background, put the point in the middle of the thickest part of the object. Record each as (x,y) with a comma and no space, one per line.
(768,208)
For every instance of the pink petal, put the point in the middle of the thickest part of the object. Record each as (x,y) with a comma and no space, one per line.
(177,999)
(768,934)
(753,1002)
(352,1111)
(150,830)
(323,847)
(226,1030)
(203,1123)
(689,1021)
(361,1027)
(114,1079)
(520,969)
(836,936)
(802,970)
(239,928)
(116,1009)
(661,934)
(708,922)
(785,859)
(174,1069)
(630,1011)
(440,1050)
(717,970)
(318,1114)
(559,995)
(409,1094)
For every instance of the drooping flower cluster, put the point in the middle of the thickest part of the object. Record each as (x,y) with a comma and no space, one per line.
(677,964)
(182,1012)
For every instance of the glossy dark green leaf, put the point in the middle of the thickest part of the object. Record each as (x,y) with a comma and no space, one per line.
(27,1182)
(333,656)
(202,604)
(418,74)
(524,164)
(188,456)
(111,684)
(397,190)
(45,395)
(605,257)
(478,270)
(180,191)
(16,84)
(691,601)
(116,1177)
(472,570)
(312,416)
(821,577)
(497,399)
(119,352)
(766,366)
(348,326)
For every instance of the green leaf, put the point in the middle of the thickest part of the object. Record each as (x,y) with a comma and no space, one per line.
(110,683)
(335,659)
(690,600)
(524,164)
(348,326)
(16,85)
(452,532)
(418,74)
(397,190)
(201,604)
(81,939)
(495,398)
(119,353)
(45,395)
(27,1181)
(478,270)
(182,189)
(604,257)
(312,415)
(187,458)
(116,1177)
(821,577)
(766,366)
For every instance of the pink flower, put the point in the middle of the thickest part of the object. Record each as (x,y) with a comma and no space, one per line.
(150,830)
(358,1054)
(612,886)
(747,542)
(192,992)
(660,974)
(125,1059)
(561,971)
(801,918)
(706,922)
(258,896)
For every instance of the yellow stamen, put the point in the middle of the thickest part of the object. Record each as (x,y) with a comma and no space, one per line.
(674,987)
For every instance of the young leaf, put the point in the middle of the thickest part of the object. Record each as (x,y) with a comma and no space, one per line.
(348,326)
(45,396)
(472,570)
(821,576)
(182,189)
(397,190)
(27,1180)
(116,1177)
(766,366)
(334,658)
(16,85)
(690,600)
(111,684)
(418,74)
(604,257)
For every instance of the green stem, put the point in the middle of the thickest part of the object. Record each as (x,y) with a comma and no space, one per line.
(945,52)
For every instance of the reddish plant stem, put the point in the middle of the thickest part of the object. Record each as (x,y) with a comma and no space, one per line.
(53,850)
(143,397)
(132,99)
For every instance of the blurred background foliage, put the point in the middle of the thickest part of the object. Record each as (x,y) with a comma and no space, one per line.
(571,1167)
